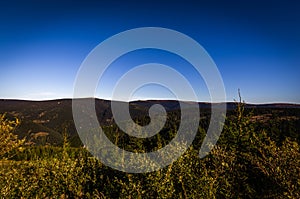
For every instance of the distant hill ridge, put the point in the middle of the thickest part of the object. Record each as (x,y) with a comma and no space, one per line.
(17,102)
(43,122)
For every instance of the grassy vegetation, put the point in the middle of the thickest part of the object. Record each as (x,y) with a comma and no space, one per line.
(251,160)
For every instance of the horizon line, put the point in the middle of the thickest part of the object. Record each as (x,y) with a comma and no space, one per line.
(150,99)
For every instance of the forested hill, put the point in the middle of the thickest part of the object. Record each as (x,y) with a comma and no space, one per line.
(43,122)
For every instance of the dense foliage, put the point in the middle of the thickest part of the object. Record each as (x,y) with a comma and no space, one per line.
(8,140)
(251,160)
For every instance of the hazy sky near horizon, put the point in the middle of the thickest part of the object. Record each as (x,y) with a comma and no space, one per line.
(255,45)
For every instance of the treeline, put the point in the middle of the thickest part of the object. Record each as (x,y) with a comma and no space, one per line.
(256,157)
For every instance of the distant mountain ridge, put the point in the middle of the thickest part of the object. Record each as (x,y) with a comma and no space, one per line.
(13,102)
(44,121)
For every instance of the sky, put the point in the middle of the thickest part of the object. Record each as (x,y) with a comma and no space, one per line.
(254,44)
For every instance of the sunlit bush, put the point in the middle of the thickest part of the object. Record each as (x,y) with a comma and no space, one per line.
(8,140)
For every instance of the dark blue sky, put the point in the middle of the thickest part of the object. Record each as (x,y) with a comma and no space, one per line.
(256,45)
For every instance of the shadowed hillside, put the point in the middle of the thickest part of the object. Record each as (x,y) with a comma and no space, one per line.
(43,122)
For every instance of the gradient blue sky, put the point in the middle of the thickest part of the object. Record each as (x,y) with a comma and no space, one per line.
(255,44)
